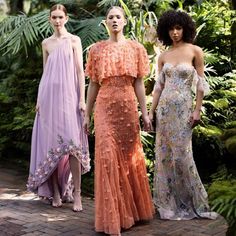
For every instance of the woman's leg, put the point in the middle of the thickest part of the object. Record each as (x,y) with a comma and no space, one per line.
(56,202)
(75,167)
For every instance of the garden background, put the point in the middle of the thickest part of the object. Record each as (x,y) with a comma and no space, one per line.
(24,24)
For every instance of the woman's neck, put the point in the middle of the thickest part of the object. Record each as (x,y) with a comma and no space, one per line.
(60,33)
(117,37)
(178,44)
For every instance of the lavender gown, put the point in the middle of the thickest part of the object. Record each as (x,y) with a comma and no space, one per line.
(57,131)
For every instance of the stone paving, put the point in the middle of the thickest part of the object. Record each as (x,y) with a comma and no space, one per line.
(22,213)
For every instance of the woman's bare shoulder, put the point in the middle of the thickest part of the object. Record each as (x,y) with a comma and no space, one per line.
(198,52)
(163,55)
(47,41)
(75,38)
(195,48)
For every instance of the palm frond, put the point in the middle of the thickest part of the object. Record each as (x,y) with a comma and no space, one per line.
(108,3)
(65,2)
(21,31)
(42,23)
(90,31)
(210,57)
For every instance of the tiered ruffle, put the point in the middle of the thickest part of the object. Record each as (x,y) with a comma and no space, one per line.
(108,59)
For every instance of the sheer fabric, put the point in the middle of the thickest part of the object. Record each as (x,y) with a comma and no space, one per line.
(57,131)
(178,191)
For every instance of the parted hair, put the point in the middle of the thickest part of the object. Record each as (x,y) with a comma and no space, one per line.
(58,7)
(171,18)
(116,7)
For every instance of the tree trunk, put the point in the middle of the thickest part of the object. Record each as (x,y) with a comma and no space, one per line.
(16,6)
(234,4)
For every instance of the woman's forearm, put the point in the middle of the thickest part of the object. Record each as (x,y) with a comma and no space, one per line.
(199,98)
(155,100)
(140,94)
(154,103)
(91,97)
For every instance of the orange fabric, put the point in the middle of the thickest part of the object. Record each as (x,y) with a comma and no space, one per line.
(122,192)
(108,59)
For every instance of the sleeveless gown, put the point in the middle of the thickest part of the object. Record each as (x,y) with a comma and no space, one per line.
(57,131)
(122,193)
(178,191)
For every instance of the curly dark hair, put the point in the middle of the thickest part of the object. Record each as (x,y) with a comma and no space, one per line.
(171,18)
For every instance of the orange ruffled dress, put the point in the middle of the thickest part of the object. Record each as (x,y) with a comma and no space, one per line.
(122,192)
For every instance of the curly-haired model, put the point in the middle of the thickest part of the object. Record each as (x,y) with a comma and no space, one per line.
(178,192)
(173,18)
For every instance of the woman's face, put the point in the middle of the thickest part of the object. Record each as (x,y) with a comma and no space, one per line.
(58,19)
(176,33)
(115,20)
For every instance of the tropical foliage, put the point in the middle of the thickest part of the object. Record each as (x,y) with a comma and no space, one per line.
(222,196)
(214,140)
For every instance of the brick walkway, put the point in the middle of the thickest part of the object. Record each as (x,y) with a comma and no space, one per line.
(21,213)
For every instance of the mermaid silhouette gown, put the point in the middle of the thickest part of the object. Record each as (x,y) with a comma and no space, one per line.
(122,192)
(178,191)
(57,131)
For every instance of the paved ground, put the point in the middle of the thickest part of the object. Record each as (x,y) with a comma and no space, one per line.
(22,213)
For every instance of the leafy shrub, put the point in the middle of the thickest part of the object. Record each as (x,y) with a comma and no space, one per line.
(222,197)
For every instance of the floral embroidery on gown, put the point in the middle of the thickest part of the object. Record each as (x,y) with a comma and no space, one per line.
(57,131)
(178,190)
(122,192)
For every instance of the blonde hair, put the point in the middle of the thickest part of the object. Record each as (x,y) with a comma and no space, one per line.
(116,7)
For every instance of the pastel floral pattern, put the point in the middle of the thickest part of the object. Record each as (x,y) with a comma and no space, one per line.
(178,190)
(47,166)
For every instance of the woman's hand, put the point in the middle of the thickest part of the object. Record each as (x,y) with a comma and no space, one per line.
(151,117)
(147,123)
(86,124)
(82,106)
(195,118)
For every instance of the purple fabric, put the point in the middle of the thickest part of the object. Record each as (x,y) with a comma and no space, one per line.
(57,131)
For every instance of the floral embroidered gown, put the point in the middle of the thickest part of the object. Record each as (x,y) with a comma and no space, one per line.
(57,131)
(178,190)
(122,193)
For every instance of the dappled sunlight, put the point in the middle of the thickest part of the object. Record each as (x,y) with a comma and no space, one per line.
(53,217)
(16,194)
(56,217)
